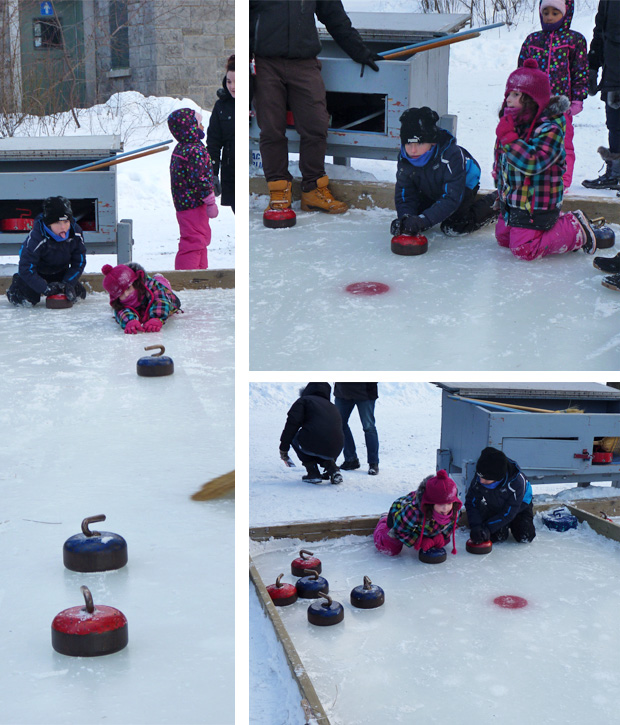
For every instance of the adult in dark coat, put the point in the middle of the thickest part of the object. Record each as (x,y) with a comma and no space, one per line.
(314,430)
(285,43)
(363,396)
(605,53)
(221,136)
(52,258)
(499,500)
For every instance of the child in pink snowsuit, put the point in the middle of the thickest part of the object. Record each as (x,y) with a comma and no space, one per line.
(191,180)
(425,518)
(529,163)
(562,54)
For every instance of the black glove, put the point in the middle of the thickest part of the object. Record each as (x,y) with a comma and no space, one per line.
(69,292)
(395,227)
(479,534)
(217,185)
(285,457)
(54,288)
(368,59)
(412,225)
(593,81)
(613,99)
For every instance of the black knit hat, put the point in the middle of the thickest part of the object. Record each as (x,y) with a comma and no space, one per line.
(418,125)
(492,465)
(56,209)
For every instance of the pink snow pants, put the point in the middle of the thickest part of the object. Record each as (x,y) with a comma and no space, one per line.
(564,236)
(384,543)
(195,238)
(570,151)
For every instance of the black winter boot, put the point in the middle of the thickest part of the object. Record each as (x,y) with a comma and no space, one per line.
(352,464)
(611,178)
(313,475)
(612,282)
(609,265)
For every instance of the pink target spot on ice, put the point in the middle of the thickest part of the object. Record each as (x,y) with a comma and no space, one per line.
(510,601)
(367,288)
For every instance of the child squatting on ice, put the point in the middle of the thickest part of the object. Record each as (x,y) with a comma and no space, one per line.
(436,180)
(561,53)
(191,182)
(425,518)
(52,258)
(499,500)
(529,164)
(140,303)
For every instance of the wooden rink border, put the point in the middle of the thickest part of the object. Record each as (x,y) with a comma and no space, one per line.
(179,279)
(592,511)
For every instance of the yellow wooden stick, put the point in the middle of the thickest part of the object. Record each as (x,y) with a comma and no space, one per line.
(216,488)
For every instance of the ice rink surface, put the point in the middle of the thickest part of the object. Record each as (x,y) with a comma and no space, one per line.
(83,434)
(441,650)
(467,304)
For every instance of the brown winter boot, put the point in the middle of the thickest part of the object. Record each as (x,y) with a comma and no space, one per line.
(321,199)
(279,214)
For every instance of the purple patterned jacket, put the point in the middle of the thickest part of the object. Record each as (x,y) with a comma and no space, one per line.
(563,55)
(191,177)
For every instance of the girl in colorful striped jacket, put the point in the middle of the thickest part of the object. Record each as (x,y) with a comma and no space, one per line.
(140,303)
(425,518)
(561,53)
(529,163)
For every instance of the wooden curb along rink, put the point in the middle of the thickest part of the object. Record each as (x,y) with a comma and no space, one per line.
(592,511)
(370,194)
(179,280)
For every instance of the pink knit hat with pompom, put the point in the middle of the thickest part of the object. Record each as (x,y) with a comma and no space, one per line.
(117,279)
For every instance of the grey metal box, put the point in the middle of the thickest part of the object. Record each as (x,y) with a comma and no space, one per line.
(421,80)
(553,447)
(32,169)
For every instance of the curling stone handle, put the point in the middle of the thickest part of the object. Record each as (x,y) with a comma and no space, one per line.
(325,595)
(88,598)
(91,520)
(303,553)
(279,581)
(367,583)
(161,349)
(311,572)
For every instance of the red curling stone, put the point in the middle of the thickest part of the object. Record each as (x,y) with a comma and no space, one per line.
(57,302)
(305,560)
(279,218)
(408,245)
(484,547)
(367,288)
(282,594)
(510,601)
(89,631)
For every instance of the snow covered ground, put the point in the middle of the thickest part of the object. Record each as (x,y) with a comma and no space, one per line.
(466,304)
(408,417)
(83,434)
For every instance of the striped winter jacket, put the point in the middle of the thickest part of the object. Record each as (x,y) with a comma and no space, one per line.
(563,55)
(528,172)
(159,302)
(406,518)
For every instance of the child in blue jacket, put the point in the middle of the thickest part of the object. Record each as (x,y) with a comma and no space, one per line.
(52,258)
(499,500)
(436,180)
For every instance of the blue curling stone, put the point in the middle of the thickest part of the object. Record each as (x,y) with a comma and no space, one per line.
(435,555)
(311,587)
(324,614)
(560,519)
(103,552)
(605,237)
(154,367)
(367,596)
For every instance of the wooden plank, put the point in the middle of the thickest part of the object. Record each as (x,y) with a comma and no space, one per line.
(609,529)
(608,506)
(296,666)
(179,279)
(316,530)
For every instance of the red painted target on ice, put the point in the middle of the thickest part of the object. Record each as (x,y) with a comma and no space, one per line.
(510,601)
(367,288)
